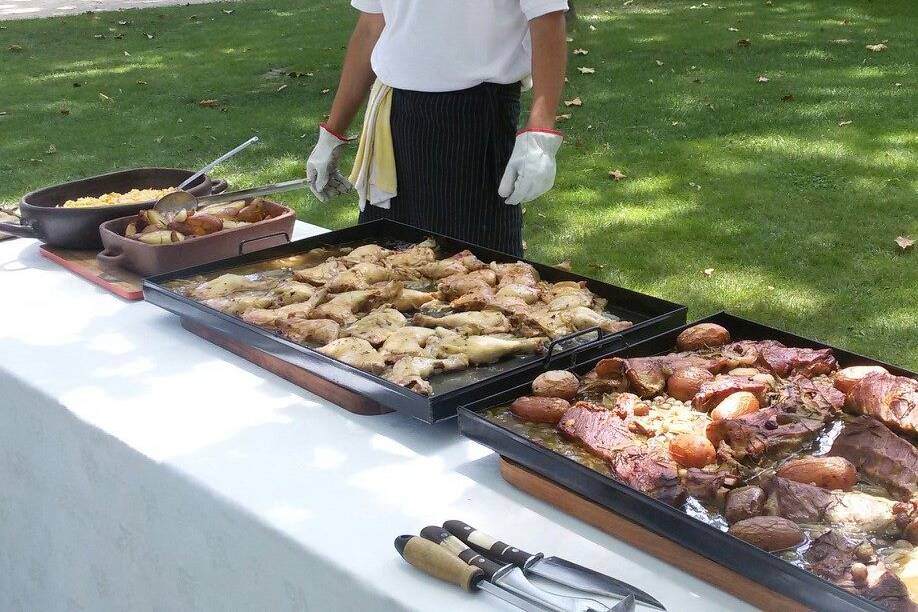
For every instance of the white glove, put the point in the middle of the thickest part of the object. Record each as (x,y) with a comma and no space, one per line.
(531,169)
(325,180)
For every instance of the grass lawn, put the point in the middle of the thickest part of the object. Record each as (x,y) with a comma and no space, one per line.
(792,189)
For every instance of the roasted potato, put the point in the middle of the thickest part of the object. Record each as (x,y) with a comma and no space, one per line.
(685,383)
(768,532)
(254,212)
(692,450)
(744,503)
(556,383)
(735,405)
(703,335)
(540,409)
(825,472)
(846,378)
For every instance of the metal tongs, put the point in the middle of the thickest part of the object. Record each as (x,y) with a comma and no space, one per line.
(437,553)
(182,200)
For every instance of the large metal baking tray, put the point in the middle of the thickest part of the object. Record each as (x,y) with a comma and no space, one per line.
(750,561)
(650,315)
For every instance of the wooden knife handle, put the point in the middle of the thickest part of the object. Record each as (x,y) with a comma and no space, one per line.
(489,545)
(436,561)
(442,537)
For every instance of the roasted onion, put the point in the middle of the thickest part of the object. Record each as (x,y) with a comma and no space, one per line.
(703,335)
(735,405)
(692,450)
(556,383)
(685,383)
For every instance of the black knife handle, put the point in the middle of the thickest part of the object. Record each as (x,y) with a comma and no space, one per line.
(442,537)
(437,562)
(489,545)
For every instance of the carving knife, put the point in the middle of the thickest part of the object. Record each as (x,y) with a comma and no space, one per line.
(439,563)
(554,569)
(511,578)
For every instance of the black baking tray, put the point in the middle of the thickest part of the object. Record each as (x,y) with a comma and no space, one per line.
(667,521)
(649,314)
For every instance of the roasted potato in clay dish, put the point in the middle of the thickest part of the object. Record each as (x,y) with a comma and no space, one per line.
(153,227)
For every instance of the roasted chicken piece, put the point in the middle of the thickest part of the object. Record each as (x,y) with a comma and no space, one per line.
(240,302)
(526,293)
(565,295)
(314,331)
(361,276)
(582,317)
(467,322)
(292,292)
(372,253)
(232,283)
(414,257)
(458,285)
(518,273)
(344,306)
(460,263)
(322,273)
(268,317)
(356,352)
(411,299)
(376,326)
(487,349)
(412,372)
(408,340)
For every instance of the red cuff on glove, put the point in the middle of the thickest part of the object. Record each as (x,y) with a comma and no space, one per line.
(543,130)
(325,127)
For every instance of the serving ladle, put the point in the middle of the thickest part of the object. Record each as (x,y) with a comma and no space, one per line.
(182,200)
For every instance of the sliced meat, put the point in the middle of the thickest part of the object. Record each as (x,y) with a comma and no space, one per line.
(708,485)
(832,555)
(606,435)
(801,395)
(766,430)
(714,391)
(785,362)
(850,510)
(880,455)
(600,430)
(891,399)
(651,472)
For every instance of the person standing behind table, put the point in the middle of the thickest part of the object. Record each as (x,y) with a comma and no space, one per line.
(439,147)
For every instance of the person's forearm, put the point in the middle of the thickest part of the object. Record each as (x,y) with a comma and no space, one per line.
(549,62)
(356,73)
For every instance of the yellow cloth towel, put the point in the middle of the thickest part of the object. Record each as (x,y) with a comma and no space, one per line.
(373,175)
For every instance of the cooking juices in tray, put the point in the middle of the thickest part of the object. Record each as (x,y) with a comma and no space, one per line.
(427,315)
(800,450)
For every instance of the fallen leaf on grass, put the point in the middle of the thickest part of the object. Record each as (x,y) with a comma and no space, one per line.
(569,39)
(123,22)
(585,70)
(141,82)
(617,175)
(149,35)
(104,97)
(119,36)
(15,48)
(761,79)
(592,28)
(733,29)
(575,102)
(563,117)
(126,54)
(787,98)
(51,150)
(282,87)
(564,265)
(876,48)
(228,11)
(98,36)
(208,103)
(64,110)
(594,264)
(842,41)
(743,42)
(580,51)
(525,246)
(325,91)
(904,242)
(658,62)
(158,139)
(844,123)
(696,186)
(708,271)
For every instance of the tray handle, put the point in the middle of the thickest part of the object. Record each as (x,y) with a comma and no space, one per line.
(27,229)
(549,354)
(274,235)
(218,186)
(110,258)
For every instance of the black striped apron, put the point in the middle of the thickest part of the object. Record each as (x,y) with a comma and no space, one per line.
(451,150)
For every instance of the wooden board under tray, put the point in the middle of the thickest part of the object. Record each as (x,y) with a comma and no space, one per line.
(121,282)
(627,531)
(350,401)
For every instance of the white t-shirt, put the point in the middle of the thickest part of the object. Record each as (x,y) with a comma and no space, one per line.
(448,45)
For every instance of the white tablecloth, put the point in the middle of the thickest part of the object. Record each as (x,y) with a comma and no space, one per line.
(142,468)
